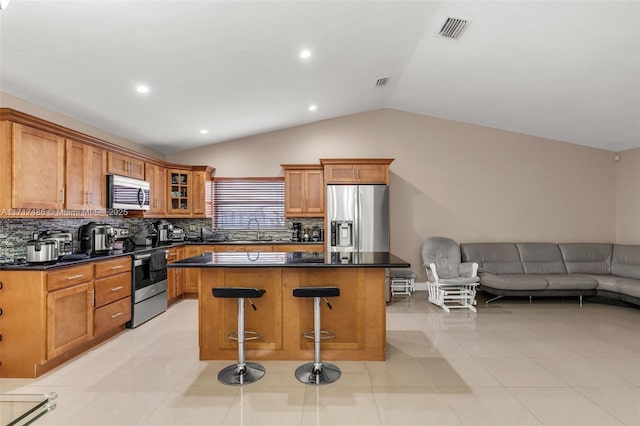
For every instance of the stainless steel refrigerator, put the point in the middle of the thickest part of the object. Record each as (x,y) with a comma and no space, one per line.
(358,217)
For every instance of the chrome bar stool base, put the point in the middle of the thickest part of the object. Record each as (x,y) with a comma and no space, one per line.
(317,372)
(309,374)
(235,375)
(242,372)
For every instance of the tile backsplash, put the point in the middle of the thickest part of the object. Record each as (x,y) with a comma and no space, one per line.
(14,233)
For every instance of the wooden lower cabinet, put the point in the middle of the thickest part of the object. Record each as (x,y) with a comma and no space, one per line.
(175,277)
(49,317)
(191,276)
(69,318)
(112,315)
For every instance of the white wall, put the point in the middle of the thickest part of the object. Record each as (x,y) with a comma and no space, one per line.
(628,197)
(468,182)
(18,104)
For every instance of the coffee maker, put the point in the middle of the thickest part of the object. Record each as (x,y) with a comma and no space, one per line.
(165,231)
(96,239)
(296,231)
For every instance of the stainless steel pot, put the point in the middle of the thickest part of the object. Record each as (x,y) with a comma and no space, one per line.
(39,251)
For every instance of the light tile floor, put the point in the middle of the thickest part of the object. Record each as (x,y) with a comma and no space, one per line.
(511,363)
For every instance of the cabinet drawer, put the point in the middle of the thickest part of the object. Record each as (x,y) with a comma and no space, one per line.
(111,267)
(112,315)
(112,288)
(69,276)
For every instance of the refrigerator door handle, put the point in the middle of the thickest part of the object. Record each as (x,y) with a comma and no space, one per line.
(358,221)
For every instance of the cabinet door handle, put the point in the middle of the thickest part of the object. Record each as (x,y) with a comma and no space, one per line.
(119,314)
(117,288)
(62,195)
(117,267)
(91,198)
(93,297)
(73,277)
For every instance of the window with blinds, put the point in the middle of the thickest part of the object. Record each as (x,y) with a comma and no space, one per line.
(238,200)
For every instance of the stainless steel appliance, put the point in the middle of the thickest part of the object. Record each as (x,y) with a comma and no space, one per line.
(165,231)
(178,234)
(296,231)
(359,218)
(149,286)
(96,239)
(120,235)
(147,236)
(127,193)
(63,239)
(41,251)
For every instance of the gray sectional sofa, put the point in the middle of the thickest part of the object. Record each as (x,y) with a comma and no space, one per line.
(550,269)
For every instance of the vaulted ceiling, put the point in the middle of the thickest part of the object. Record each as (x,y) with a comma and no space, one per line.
(565,70)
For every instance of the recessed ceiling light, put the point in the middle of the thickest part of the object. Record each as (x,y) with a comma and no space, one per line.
(204,131)
(4,4)
(313,107)
(305,54)
(141,88)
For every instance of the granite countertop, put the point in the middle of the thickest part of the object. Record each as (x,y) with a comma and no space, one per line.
(138,249)
(292,259)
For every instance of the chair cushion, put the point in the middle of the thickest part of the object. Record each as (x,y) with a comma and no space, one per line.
(445,253)
(626,261)
(497,258)
(570,282)
(460,280)
(541,258)
(587,258)
(514,281)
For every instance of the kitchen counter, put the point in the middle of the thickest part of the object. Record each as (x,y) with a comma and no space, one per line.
(292,260)
(358,317)
(142,249)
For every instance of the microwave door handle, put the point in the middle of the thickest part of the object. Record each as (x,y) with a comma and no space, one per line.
(140,197)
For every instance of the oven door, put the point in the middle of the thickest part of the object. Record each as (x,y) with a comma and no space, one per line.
(143,276)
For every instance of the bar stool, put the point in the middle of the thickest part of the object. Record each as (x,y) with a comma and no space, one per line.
(317,372)
(240,373)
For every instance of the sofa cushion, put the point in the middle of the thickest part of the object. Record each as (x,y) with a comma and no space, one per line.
(629,286)
(513,281)
(570,282)
(497,258)
(626,261)
(587,258)
(541,258)
(607,282)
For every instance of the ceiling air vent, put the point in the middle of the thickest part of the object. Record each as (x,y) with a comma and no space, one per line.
(382,81)
(452,27)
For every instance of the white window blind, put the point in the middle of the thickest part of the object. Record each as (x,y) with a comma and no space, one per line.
(238,200)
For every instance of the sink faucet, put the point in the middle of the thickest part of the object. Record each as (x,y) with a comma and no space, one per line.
(257,224)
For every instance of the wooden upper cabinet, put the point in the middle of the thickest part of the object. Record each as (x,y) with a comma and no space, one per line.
(38,169)
(303,190)
(86,168)
(123,165)
(157,177)
(202,191)
(356,170)
(179,195)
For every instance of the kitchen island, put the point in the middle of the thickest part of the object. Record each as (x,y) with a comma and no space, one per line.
(358,317)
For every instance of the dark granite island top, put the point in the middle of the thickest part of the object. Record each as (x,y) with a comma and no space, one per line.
(292,260)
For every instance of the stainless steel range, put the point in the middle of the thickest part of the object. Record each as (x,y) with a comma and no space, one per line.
(149,287)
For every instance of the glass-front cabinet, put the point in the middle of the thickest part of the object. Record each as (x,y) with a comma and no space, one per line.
(180,197)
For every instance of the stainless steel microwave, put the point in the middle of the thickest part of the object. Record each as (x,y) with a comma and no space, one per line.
(127,193)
